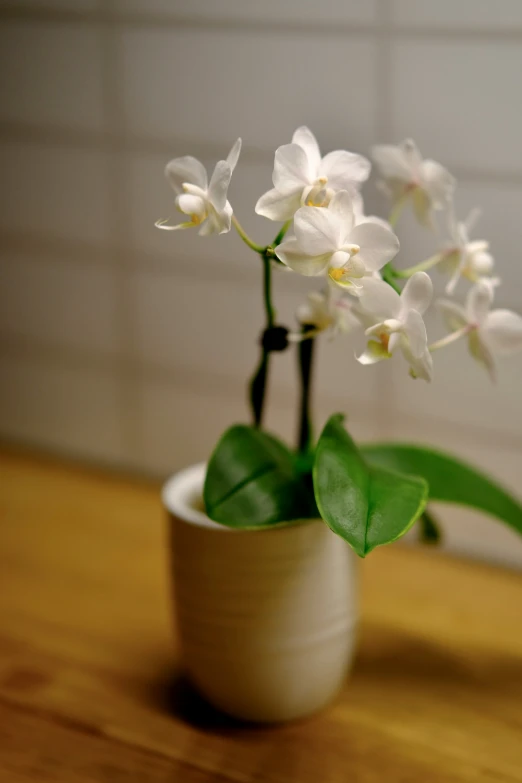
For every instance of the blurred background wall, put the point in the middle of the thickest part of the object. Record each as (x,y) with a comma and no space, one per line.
(127,346)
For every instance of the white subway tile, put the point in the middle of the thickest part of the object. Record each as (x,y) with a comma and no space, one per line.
(298,11)
(215,85)
(468,14)
(75,411)
(458,101)
(60,5)
(183,424)
(59,302)
(51,75)
(54,192)
(211,327)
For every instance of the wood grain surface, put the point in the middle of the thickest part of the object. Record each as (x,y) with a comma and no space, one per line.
(91,692)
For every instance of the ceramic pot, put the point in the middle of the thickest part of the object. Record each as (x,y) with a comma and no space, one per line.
(266,619)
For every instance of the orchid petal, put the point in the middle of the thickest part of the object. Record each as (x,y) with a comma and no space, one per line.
(472,219)
(478,302)
(292,170)
(291,254)
(191,205)
(422,207)
(502,330)
(417,292)
(186,169)
(479,350)
(307,141)
(233,155)
(220,180)
(412,157)
(276,206)
(318,230)
(437,182)
(343,169)
(420,366)
(375,352)
(342,205)
(379,299)
(391,162)
(454,314)
(378,245)
(415,332)
(163,224)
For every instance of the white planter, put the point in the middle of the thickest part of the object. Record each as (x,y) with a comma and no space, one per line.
(267,618)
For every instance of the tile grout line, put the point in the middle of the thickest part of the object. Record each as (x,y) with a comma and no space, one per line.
(130,391)
(384,379)
(107,14)
(133,144)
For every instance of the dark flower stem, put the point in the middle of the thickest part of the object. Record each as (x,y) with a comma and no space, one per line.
(306,352)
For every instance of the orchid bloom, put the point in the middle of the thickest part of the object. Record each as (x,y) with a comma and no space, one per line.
(465,258)
(489,331)
(406,175)
(328,310)
(205,203)
(302,177)
(361,216)
(328,242)
(400,323)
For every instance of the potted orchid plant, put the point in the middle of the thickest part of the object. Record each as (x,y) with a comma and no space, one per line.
(266,536)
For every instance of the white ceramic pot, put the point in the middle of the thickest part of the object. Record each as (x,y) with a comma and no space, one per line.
(267,618)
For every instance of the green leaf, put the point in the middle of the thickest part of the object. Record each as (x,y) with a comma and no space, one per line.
(366,505)
(253,481)
(450,480)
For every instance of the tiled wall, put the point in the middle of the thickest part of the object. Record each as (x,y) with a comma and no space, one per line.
(130,346)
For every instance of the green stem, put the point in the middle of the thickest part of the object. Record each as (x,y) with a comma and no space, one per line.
(280,236)
(425,265)
(397,209)
(306,352)
(389,273)
(452,337)
(246,239)
(260,377)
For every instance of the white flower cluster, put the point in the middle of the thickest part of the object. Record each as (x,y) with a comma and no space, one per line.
(327,235)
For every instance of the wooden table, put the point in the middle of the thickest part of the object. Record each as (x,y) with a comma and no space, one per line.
(90,690)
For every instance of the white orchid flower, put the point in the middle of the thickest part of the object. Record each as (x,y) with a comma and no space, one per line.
(489,331)
(302,177)
(465,258)
(328,242)
(203,201)
(406,175)
(400,323)
(328,310)
(361,216)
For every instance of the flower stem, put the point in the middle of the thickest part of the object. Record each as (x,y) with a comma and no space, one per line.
(306,350)
(389,273)
(451,338)
(280,236)
(425,265)
(260,377)
(246,239)
(397,209)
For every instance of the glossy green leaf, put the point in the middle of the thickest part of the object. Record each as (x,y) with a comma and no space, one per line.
(450,480)
(253,481)
(367,505)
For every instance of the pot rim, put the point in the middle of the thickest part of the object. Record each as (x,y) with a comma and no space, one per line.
(180,493)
